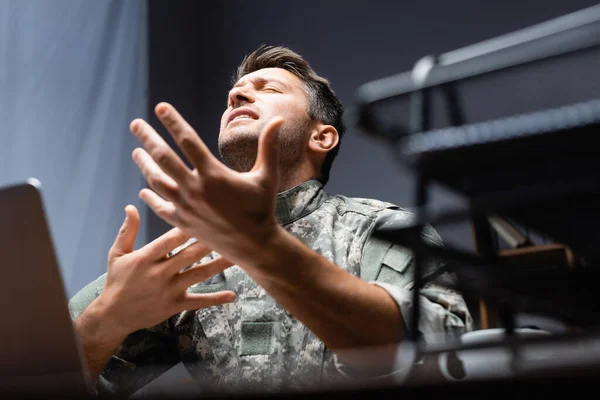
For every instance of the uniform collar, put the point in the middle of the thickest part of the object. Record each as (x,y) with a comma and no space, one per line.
(299,201)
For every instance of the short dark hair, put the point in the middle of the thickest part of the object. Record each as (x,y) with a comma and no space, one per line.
(323,104)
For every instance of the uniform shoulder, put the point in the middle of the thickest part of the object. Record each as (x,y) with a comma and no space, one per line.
(388,215)
(371,206)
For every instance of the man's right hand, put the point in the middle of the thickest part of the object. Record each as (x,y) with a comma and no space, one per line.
(143,288)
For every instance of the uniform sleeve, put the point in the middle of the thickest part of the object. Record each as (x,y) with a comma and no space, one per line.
(142,357)
(443,311)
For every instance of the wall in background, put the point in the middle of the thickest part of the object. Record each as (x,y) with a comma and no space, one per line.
(73,74)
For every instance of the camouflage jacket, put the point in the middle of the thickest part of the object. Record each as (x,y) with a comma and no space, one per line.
(254,341)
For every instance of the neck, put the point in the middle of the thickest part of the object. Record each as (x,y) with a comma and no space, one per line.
(294,177)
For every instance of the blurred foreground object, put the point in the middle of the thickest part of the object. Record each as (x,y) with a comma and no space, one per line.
(532,170)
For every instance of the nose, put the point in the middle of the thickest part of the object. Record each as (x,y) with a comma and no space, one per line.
(240,95)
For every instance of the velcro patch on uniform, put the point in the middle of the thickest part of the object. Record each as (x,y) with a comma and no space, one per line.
(397,258)
(256,338)
(203,288)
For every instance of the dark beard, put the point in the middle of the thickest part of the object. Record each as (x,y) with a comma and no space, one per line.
(240,153)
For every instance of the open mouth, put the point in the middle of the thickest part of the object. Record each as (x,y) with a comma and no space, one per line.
(242,114)
(242,117)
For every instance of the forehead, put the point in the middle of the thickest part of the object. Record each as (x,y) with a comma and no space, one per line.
(277,75)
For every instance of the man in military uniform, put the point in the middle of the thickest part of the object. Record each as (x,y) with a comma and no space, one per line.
(290,278)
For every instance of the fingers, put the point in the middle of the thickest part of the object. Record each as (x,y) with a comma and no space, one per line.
(186,257)
(184,135)
(267,160)
(194,301)
(125,240)
(159,150)
(162,183)
(200,273)
(164,209)
(159,247)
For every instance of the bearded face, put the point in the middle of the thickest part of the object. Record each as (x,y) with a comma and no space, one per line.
(252,103)
(239,150)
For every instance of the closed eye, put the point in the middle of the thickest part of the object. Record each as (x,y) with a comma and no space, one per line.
(272,90)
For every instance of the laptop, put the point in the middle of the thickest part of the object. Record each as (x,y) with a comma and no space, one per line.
(40,352)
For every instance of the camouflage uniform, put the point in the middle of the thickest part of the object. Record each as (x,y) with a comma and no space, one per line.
(254,340)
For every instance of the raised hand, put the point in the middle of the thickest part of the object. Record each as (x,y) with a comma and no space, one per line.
(232,213)
(145,287)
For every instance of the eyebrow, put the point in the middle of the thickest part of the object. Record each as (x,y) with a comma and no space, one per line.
(261,80)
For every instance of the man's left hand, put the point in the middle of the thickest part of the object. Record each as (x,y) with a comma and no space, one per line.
(231,212)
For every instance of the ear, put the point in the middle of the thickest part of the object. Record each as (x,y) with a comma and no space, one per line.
(323,138)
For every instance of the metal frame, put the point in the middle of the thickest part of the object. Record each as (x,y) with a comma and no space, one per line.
(558,37)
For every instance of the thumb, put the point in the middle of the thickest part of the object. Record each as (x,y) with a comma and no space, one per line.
(267,159)
(125,239)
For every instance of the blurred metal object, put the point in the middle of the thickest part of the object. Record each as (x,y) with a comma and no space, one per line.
(488,355)
(561,36)
(537,167)
(491,354)
(495,362)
